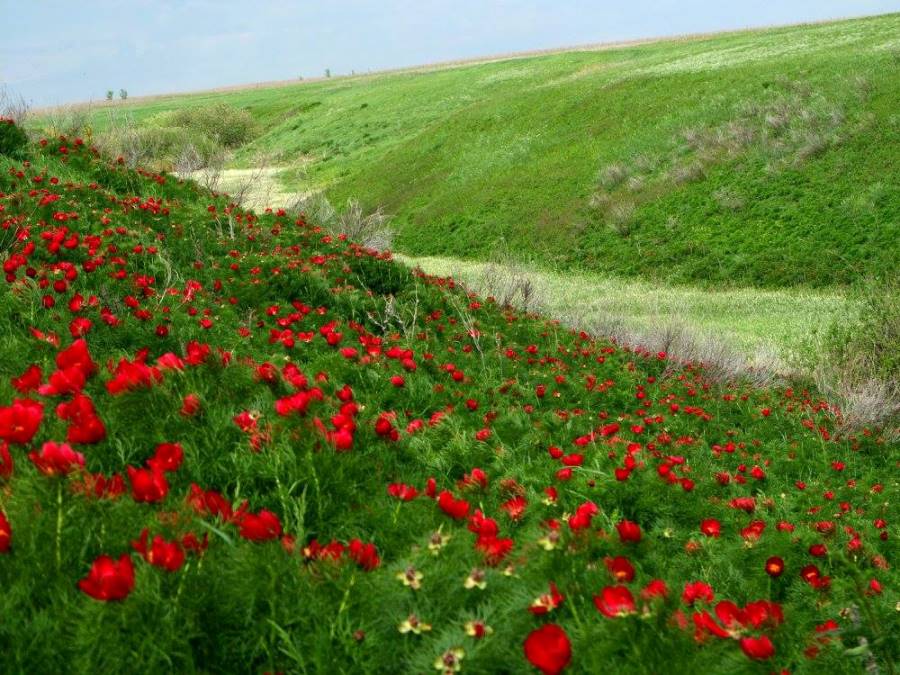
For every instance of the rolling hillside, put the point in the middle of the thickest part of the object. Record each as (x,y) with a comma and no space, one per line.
(765,158)
(236,442)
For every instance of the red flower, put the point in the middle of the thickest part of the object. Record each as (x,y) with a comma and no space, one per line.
(84,424)
(621,568)
(28,381)
(758,649)
(56,458)
(774,566)
(108,579)
(402,491)
(147,485)
(20,421)
(168,555)
(364,555)
(262,526)
(615,601)
(455,508)
(583,515)
(547,602)
(548,649)
(697,590)
(711,527)
(5,533)
(168,457)
(629,532)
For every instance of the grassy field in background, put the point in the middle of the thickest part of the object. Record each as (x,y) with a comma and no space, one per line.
(764,158)
(770,327)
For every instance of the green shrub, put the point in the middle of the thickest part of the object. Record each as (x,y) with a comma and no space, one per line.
(219,122)
(13,139)
(870,345)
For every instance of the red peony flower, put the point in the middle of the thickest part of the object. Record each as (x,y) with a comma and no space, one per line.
(615,601)
(56,459)
(711,527)
(20,421)
(167,457)
(774,566)
(455,508)
(548,649)
(620,568)
(147,485)
(262,526)
(168,555)
(108,579)
(629,532)
(697,590)
(758,649)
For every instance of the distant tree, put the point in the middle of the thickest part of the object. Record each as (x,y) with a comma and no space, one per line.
(123,94)
(109,94)
(328,72)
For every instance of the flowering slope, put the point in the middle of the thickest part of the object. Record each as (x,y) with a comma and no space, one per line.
(230,442)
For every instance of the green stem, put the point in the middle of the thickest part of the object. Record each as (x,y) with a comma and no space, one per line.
(59,524)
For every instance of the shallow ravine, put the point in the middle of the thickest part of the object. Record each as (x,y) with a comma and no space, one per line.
(772,328)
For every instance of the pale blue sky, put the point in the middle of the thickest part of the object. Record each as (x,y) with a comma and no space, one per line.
(54,51)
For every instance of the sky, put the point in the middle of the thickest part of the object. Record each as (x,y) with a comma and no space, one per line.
(59,51)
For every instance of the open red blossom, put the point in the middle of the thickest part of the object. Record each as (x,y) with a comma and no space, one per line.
(85,426)
(697,590)
(364,555)
(515,507)
(758,648)
(547,602)
(615,601)
(210,503)
(56,459)
(147,485)
(629,532)
(548,649)
(130,375)
(19,422)
(5,533)
(167,457)
(455,508)
(262,526)
(28,381)
(76,356)
(711,527)
(109,579)
(774,566)
(402,491)
(581,519)
(167,555)
(655,589)
(620,568)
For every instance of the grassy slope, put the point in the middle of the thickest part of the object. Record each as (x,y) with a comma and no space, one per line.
(268,606)
(511,150)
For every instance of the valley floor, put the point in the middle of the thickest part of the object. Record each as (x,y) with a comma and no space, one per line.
(770,328)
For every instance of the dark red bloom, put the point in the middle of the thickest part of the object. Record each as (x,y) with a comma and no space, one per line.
(168,555)
(455,508)
(364,555)
(168,457)
(261,526)
(758,648)
(629,532)
(147,485)
(774,566)
(548,649)
(615,601)
(56,459)
(109,579)
(19,422)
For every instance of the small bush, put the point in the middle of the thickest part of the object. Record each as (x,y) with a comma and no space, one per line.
(13,139)
(219,122)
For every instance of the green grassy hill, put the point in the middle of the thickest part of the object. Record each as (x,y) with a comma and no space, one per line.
(762,158)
